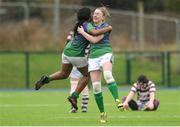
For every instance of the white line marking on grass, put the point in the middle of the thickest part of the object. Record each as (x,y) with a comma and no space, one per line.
(41,105)
(117,116)
(58,105)
(29,105)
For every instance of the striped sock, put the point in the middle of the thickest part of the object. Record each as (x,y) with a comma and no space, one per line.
(85,99)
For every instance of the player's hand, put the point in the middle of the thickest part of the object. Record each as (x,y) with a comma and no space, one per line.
(125,105)
(150,106)
(110,27)
(70,36)
(80,30)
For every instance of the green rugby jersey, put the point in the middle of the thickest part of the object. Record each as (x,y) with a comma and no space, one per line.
(103,46)
(76,47)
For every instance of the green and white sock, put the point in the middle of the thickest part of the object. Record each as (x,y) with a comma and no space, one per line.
(99,101)
(114,90)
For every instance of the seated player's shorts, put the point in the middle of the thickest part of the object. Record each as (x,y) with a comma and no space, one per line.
(78,62)
(141,105)
(75,73)
(97,63)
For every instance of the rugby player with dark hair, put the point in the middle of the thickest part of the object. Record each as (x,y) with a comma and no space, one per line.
(145,90)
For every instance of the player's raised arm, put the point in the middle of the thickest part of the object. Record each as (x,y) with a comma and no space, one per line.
(95,32)
(93,39)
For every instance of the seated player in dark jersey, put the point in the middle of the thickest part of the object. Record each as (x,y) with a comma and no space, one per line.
(145,90)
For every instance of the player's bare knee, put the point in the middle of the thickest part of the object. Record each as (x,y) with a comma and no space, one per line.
(108,76)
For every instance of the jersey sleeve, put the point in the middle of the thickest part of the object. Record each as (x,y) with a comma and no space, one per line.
(134,88)
(105,24)
(89,27)
(152,87)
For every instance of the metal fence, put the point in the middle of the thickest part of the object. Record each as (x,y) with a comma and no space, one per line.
(22,69)
(131,31)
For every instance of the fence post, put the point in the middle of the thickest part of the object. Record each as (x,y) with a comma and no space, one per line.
(26,13)
(27,69)
(141,24)
(56,20)
(168,70)
(128,69)
(163,68)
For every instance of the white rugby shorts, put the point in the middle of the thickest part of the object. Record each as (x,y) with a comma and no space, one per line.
(78,62)
(75,73)
(97,63)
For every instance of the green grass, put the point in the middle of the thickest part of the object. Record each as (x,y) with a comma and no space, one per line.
(12,70)
(51,108)
(41,64)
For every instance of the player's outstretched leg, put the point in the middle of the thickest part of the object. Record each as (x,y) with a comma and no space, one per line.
(59,75)
(43,80)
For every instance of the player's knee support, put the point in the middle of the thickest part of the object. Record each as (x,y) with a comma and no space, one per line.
(108,76)
(96,87)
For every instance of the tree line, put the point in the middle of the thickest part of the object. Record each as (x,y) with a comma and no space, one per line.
(149,5)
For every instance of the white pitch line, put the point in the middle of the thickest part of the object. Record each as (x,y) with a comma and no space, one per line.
(57,105)
(40,105)
(119,117)
(29,105)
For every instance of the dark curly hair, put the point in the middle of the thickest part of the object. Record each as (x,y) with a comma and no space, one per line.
(142,79)
(84,14)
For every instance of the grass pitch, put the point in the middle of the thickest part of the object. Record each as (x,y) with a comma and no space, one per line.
(44,107)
